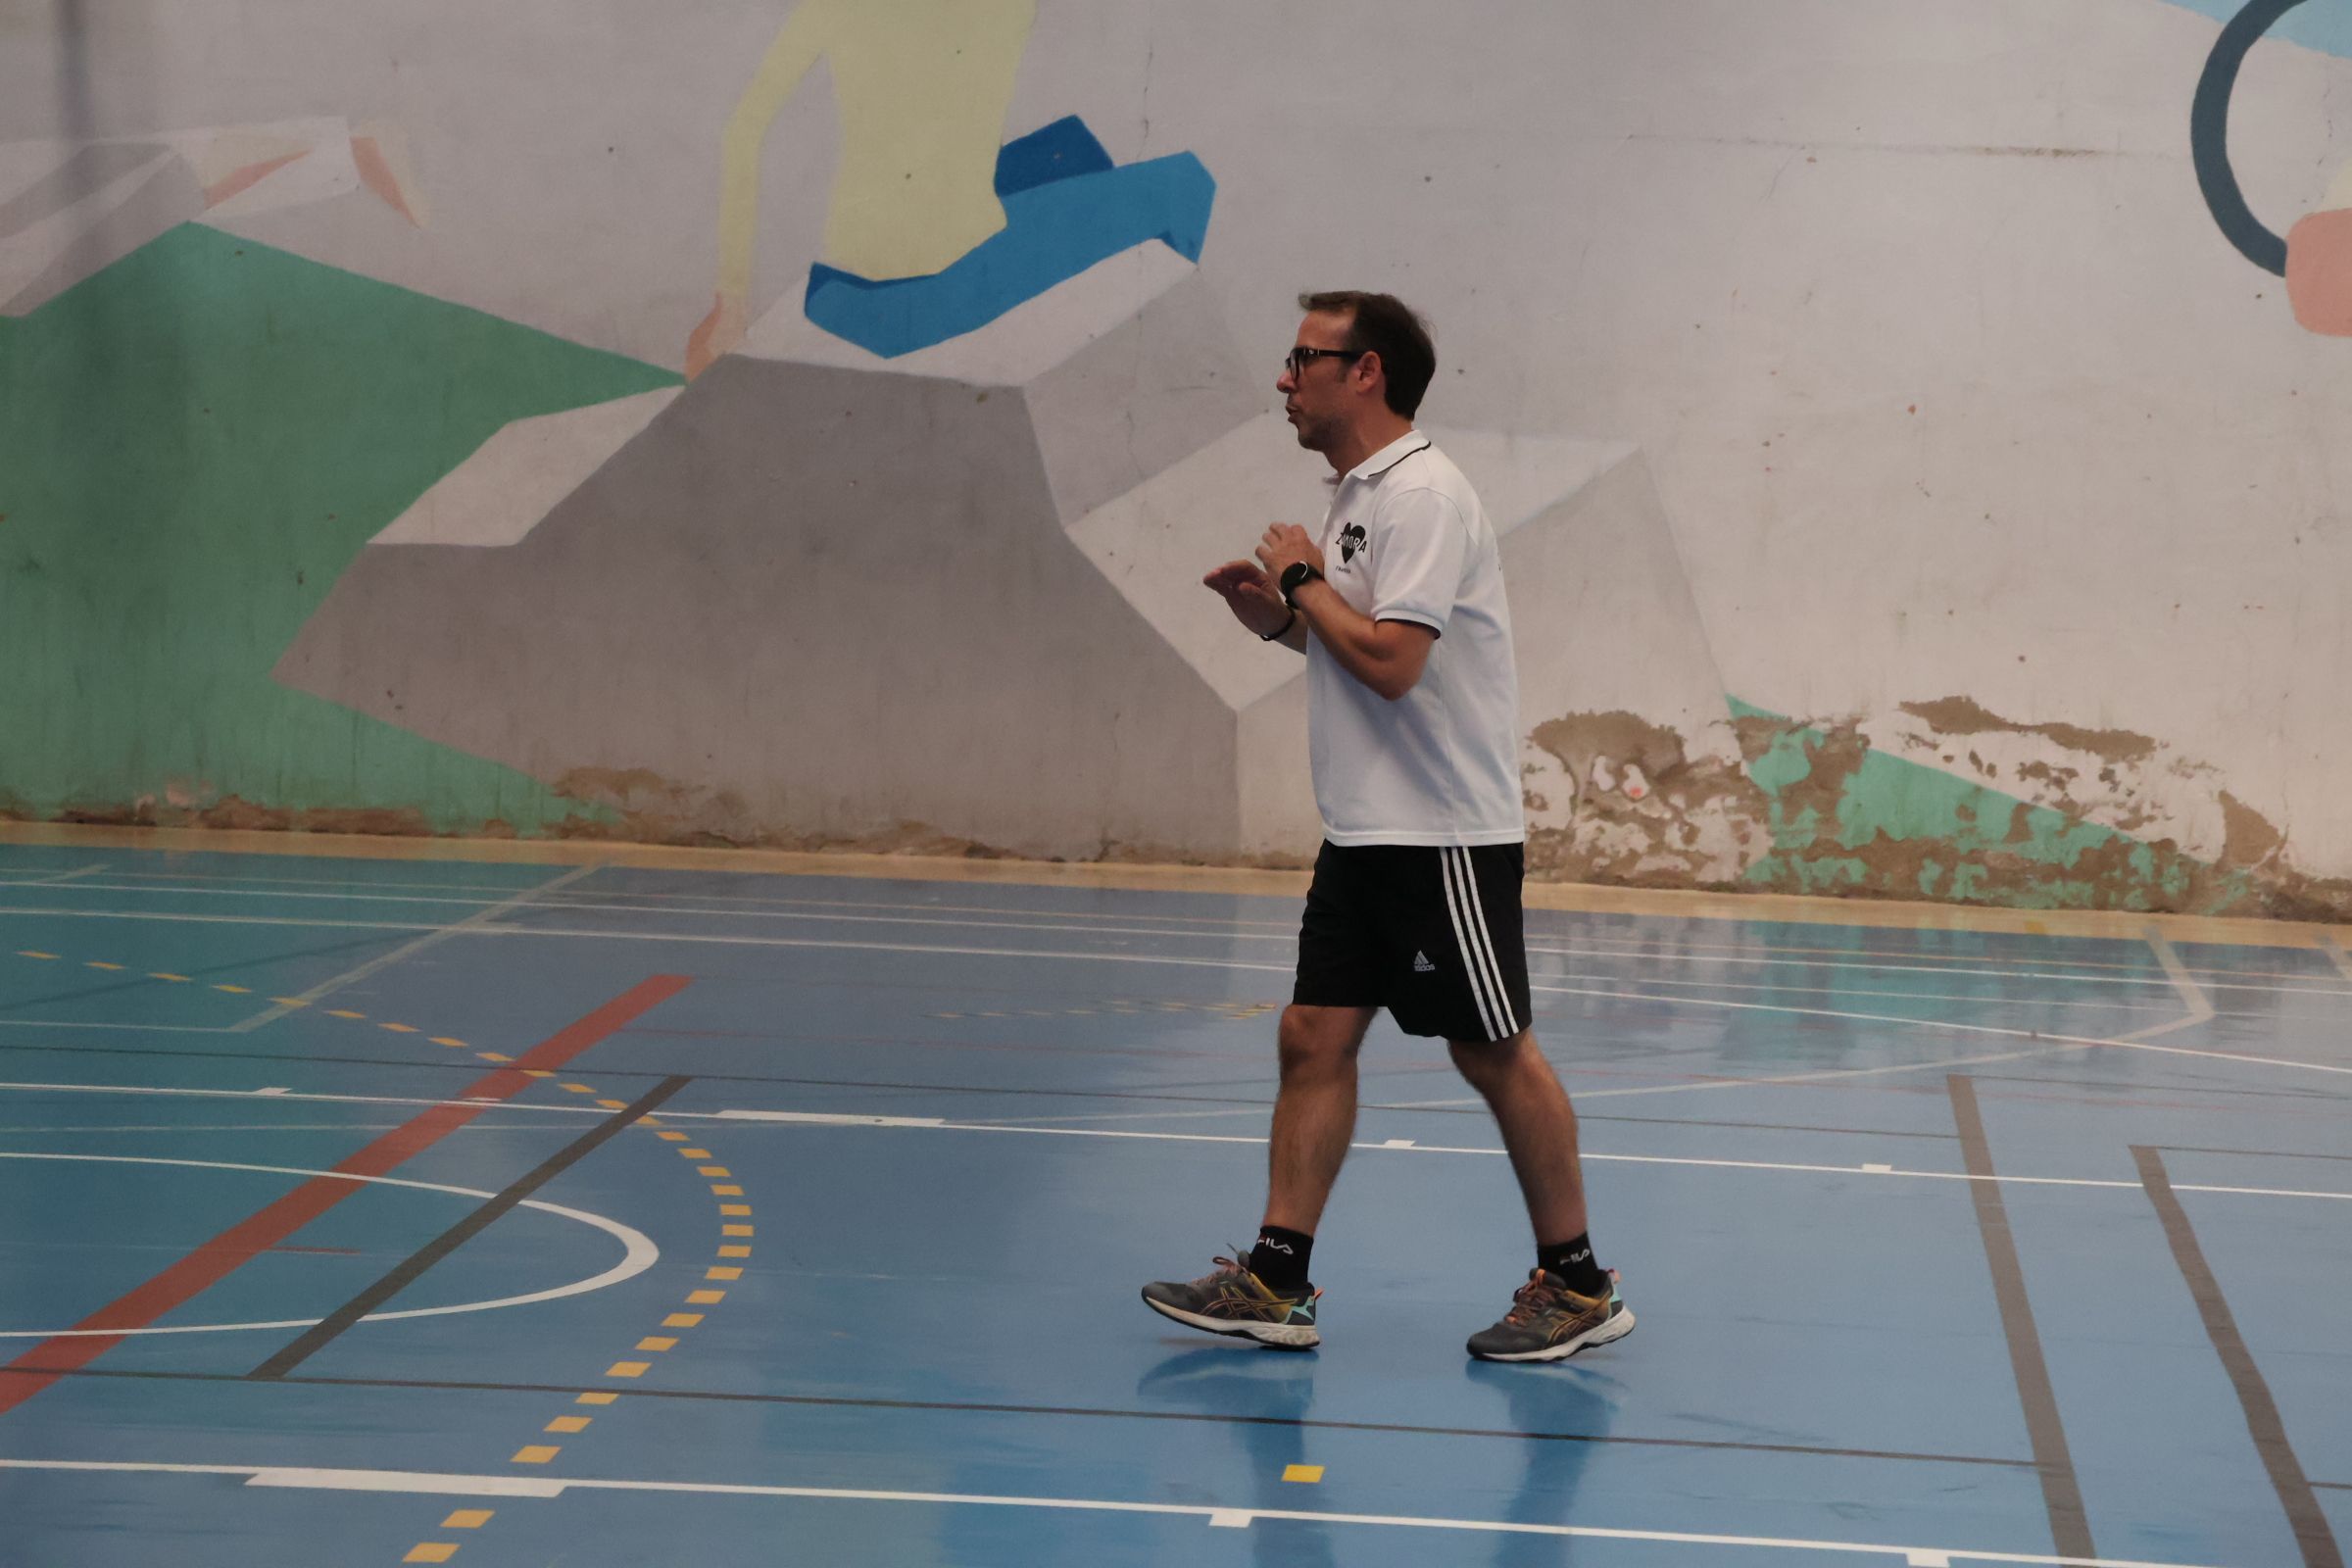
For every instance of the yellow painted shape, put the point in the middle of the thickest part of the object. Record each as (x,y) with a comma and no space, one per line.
(734,1251)
(1308,1472)
(921,88)
(292,1001)
(158,974)
(683,1321)
(343,1013)
(628,1369)
(567,1423)
(444,1040)
(725,1190)
(536,1453)
(27,953)
(734,1229)
(714,1170)
(694,1153)
(492,1055)
(96,964)
(468,1519)
(578,1088)
(704,1298)
(722,1273)
(596,1398)
(431,1551)
(739,1209)
(399,1028)
(657,1342)
(236,990)
(614,1104)
(671,1138)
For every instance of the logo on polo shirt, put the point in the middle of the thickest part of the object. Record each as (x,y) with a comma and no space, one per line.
(1351,540)
(1422,965)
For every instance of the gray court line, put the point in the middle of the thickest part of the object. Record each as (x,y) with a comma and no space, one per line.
(2303,1513)
(2070,1528)
(2193,995)
(481,917)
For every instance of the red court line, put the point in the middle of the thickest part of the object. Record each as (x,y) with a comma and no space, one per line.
(215,1260)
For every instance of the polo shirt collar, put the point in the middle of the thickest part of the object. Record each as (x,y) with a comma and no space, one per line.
(1388,457)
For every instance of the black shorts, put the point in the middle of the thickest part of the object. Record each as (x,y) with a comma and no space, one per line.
(1432,933)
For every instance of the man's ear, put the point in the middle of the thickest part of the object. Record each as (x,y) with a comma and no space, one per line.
(1368,370)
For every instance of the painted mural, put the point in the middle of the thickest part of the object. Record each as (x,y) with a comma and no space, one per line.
(801,425)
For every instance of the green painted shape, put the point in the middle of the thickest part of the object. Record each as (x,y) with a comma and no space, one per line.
(1909,802)
(194,444)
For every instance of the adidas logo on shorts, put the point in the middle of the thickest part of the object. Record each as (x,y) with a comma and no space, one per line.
(1422,965)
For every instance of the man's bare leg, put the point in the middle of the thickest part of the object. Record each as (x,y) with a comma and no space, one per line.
(1539,1129)
(1314,1112)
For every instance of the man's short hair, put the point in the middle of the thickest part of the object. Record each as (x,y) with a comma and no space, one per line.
(1384,324)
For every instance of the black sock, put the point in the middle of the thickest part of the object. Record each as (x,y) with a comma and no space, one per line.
(1280,1257)
(1573,1262)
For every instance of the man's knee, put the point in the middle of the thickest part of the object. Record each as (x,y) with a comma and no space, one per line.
(1490,1064)
(1316,1040)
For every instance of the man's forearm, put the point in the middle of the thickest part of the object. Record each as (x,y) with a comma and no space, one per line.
(1357,641)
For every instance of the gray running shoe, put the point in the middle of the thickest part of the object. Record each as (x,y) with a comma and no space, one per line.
(1549,1322)
(1232,1301)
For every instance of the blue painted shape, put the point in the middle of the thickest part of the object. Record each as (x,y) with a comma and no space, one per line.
(1053,232)
(2325,27)
(1049,153)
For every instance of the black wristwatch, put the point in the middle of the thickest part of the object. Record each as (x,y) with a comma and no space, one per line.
(1294,576)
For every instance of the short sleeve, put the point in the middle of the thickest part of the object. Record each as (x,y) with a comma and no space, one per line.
(1418,543)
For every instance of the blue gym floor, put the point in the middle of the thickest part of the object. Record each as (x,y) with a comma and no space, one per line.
(1947,1246)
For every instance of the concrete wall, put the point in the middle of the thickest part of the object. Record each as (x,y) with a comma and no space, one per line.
(1918,445)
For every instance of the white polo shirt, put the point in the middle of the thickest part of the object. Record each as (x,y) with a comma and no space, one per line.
(1406,539)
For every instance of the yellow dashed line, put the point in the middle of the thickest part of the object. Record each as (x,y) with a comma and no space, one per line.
(628,1369)
(704,1298)
(734,1251)
(694,1153)
(532,1072)
(492,1055)
(468,1519)
(595,1397)
(614,1104)
(683,1321)
(578,1088)
(454,1045)
(671,1138)
(96,964)
(536,1453)
(567,1423)
(713,1170)
(739,1210)
(725,1190)
(236,990)
(401,1028)
(343,1013)
(158,974)
(734,1229)
(289,1001)
(27,953)
(657,1342)
(722,1273)
(431,1551)
(1308,1472)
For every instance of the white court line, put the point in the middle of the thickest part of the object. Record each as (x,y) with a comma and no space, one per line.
(428,1484)
(638,1252)
(1169,960)
(479,918)
(2174,969)
(1825,1075)
(2192,996)
(2337,951)
(845,1119)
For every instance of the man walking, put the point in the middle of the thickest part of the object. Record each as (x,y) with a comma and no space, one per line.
(1413,733)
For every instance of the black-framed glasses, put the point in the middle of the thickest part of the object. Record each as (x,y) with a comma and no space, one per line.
(1299,359)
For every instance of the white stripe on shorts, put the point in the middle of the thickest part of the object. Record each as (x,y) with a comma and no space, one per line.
(1470,935)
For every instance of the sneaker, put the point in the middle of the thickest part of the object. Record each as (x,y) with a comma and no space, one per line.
(1234,1300)
(1549,1322)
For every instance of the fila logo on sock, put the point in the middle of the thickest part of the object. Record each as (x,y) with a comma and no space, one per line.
(1272,1244)
(1422,965)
